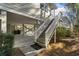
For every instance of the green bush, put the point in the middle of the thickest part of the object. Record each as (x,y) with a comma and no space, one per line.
(76,29)
(68,33)
(6,44)
(62,32)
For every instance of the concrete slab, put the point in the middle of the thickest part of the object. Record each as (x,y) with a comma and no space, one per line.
(21,41)
(24,43)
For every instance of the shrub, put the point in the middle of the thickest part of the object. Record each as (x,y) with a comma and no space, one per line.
(76,29)
(68,33)
(6,44)
(62,32)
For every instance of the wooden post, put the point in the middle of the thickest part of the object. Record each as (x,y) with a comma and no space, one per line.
(55,36)
(0,26)
(55,29)
(50,12)
(44,14)
(41,13)
(71,27)
(23,28)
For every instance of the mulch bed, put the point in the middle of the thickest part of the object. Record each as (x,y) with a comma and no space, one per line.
(70,49)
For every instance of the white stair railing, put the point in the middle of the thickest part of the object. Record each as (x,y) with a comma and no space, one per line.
(50,31)
(39,31)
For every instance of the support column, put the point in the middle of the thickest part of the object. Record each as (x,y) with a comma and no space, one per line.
(41,13)
(4,21)
(44,14)
(50,13)
(55,29)
(0,26)
(55,36)
(71,27)
(23,28)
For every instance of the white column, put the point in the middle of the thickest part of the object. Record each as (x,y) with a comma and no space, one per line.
(55,36)
(4,21)
(55,29)
(0,25)
(71,25)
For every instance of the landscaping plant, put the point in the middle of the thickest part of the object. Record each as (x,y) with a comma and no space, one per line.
(6,44)
(62,32)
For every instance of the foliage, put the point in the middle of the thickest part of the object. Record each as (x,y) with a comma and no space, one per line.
(6,44)
(76,7)
(76,29)
(62,32)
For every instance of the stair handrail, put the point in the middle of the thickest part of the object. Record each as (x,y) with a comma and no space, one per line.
(39,31)
(50,31)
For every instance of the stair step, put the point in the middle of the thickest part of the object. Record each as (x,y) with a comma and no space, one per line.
(41,40)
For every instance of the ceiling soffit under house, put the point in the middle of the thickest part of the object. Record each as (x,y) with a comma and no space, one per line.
(19,19)
(31,10)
